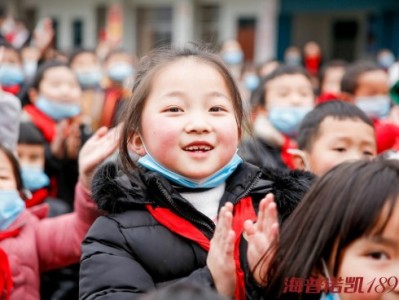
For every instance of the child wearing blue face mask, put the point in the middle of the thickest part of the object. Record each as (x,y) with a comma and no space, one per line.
(33,243)
(279,104)
(11,72)
(87,66)
(119,70)
(31,156)
(174,211)
(367,86)
(55,97)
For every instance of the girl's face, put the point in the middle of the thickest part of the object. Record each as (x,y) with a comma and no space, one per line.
(59,84)
(7,179)
(188,121)
(375,260)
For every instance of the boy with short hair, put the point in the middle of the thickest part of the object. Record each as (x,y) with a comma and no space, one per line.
(333,132)
(279,104)
(367,85)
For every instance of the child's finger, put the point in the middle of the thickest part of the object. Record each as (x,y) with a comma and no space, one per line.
(229,243)
(249,227)
(219,225)
(263,216)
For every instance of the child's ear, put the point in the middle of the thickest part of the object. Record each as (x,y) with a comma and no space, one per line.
(299,159)
(136,145)
(33,95)
(344,96)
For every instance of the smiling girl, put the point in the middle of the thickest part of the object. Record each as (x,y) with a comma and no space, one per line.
(184,122)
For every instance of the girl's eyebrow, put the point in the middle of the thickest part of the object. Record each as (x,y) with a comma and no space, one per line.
(182,94)
(379,239)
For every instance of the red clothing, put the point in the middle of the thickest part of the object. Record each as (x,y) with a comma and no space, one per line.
(41,244)
(286,157)
(387,135)
(46,125)
(112,98)
(242,211)
(12,89)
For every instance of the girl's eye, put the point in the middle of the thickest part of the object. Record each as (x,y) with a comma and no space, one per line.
(378,255)
(340,149)
(217,109)
(173,109)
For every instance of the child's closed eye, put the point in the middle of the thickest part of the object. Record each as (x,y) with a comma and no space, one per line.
(340,149)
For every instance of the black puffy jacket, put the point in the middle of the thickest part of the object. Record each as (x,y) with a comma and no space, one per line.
(127,252)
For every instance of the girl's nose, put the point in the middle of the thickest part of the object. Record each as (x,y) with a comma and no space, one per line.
(197,124)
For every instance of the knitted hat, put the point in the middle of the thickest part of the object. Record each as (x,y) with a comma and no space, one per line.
(10,111)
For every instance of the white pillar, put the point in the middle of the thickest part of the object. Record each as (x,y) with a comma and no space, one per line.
(183,22)
(265,47)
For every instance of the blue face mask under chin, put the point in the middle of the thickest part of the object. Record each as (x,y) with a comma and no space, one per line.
(11,206)
(89,79)
(34,178)
(120,71)
(56,110)
(233,57)
(329,296)
(212,181)
(375,107)
(11,74)
(288,119)
(251,82)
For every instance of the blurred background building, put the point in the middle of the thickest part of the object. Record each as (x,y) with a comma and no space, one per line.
(265,28)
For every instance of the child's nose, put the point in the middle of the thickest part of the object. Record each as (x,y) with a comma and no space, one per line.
(197,124)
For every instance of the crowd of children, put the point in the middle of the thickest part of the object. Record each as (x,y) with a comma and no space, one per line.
(193,173)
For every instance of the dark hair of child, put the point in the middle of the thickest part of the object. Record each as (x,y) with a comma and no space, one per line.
(340,110)
(352,200)
(349,81)
(30,135)
(148,67)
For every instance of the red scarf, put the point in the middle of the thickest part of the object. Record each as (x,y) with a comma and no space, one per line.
(38,197)
(12,89)
(243,210)
(286,157)
(46,125)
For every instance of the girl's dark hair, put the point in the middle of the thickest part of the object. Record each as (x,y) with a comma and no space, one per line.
(42,70)
(15,167)
(347,203)
(258,96)
(148,66)
(310,127)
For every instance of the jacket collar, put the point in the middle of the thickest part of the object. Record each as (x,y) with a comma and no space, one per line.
(115,191)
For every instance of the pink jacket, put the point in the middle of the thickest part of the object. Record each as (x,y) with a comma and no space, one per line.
(47,243)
